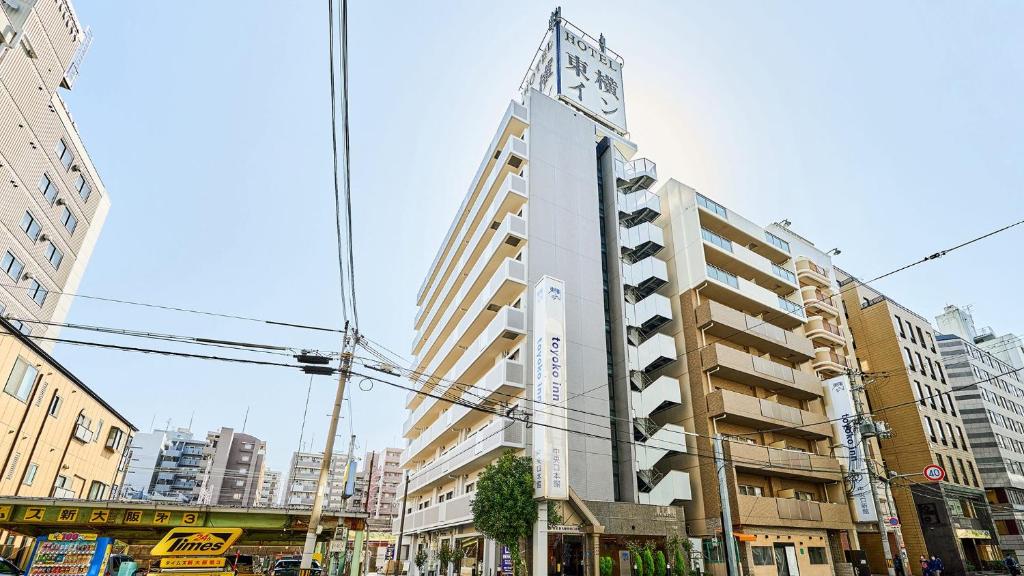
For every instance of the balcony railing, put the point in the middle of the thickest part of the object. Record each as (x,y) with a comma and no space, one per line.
(712,206)
(784,274)
(721,242)
(724,277)
(499,434)
(776,241)
(791,307)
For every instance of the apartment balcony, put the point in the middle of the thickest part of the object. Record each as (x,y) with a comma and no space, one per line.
(474,452)
(646,317)
(746,263)
(661,394)
(672,488)
(818,301)
(742,294)
(829,363)
(634,175)
(643,278)
(641,241)
(506,378)
(790,512)
(723,322)
(823,332)
(809,272)
(507,283)
(762,413)
(784,463)
(651,356)
(653,445)
(452,512)
(739,230)
(739,366)
(638,207)
(493,243)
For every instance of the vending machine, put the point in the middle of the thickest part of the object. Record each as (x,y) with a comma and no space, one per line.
(69,554)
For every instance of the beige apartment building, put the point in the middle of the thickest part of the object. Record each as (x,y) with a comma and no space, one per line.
(760,333)
(909,390)
(62,440)
(54,203)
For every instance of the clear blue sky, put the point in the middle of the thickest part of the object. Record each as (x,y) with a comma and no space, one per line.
(888,130)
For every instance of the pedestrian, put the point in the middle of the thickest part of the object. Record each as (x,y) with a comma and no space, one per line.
(897,564)
(1011,564)
(936,566)
(925,568)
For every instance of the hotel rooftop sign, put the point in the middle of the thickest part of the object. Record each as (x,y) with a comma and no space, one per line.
(581,71)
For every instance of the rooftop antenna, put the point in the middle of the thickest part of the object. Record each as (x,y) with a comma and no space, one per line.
(601,43)
(556,15)
(190,419)
(245,419)
(152,423)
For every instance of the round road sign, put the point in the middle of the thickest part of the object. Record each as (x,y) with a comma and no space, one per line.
(935,473)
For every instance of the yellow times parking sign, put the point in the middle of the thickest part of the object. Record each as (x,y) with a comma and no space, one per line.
(204,562)
(196,542)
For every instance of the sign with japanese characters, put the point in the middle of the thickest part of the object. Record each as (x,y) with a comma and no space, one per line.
(839,402)
(580,71)
(550,406)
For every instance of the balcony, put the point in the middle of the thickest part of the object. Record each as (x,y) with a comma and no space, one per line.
(808,271)
(641,241)
(456,511)
(634,175)
(513,123)
(742,294)
(643,278)
(502,288)
(759,413)
(829,363)
(766,511)
(783,463)
(751,370)
(638,207)
(661,394)
(723,322)
(817,301)
(745,263)
(486,444)
(716,218)
(671,489)
(492,243)
(652,355)
(507,378)
(647,316)
(822,332)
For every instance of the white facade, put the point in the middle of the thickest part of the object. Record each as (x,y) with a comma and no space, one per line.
(146,448)
(303,475)
(270,489)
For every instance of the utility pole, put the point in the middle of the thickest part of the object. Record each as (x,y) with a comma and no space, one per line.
(731,556)
(366,508)
(858,409)
(401,529)
(344,365)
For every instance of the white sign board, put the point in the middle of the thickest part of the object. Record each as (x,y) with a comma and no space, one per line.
(550,440)
(581,73)
(839,400)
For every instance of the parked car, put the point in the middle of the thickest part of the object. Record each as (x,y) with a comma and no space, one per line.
(242,564)
(114,565)
(290,567)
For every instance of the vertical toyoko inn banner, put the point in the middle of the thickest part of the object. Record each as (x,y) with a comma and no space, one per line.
(550,439)
(839,400)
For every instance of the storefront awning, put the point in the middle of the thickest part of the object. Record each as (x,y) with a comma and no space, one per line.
(744,537)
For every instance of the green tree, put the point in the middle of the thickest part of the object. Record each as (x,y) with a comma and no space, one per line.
(504,508)
(444,557)
(606,566)
(421,559)
(648,562)
(636,553)
(458,553)
(659,563)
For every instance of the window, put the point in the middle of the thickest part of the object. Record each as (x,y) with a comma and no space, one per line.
(84,190)
(36,292)
(942,402)
(951,469)
(931,396)
(30,226)
(899,324)
(97,490)
(974,477)
(942,433)
(942,377)
(963,469)
(910,330)
(239,482)
(919,392)
(920,336)
(19,383)
(920,362)
(83,430)
(54,255)
(47,188)
(931,431)
(12,266)
(114,438)
(910,359)
(30,474)
(763,555)
(64,154)
(952,438)
(748,490)
(960,433)
(68,219)
(800,495)
(469,487)
(816,554)
(54,408)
